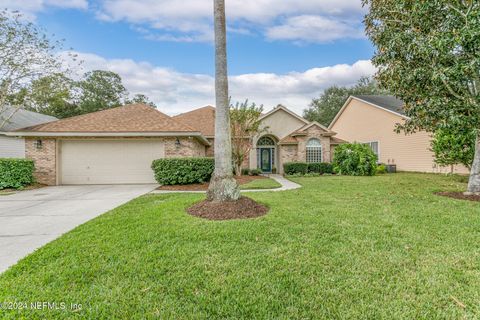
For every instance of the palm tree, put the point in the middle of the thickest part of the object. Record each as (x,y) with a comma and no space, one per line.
(223,187)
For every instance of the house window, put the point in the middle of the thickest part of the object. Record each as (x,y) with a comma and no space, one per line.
(314,151)
(374,146)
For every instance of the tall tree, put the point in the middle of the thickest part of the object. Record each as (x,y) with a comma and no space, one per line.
(100,90)
(326,107)
(428,54)
(245,123)
(52,95)
(141,98)
(223,187)
(26,54)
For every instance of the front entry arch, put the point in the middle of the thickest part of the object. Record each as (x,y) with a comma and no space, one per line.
(266,151)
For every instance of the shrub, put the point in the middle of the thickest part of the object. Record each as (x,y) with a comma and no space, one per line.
(16,173)
(291,168)
(354,159)
(382,169)
(183,170)
(245,172)
(320,167)
(255,172)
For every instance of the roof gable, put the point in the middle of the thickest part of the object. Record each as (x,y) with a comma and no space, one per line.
(129,118)
(285,109)
(202,120)
(386,103)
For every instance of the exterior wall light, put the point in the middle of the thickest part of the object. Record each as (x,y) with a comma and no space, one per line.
(38,144)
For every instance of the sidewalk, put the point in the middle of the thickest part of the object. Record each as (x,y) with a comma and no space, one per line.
(286,185)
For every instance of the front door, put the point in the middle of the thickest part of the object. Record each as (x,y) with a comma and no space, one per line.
(266,159)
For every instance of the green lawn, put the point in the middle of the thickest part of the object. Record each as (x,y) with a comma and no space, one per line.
(261,184)
(377,247)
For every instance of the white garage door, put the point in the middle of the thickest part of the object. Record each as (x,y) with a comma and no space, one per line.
(109,161)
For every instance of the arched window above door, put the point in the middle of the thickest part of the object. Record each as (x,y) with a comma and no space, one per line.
(265,142)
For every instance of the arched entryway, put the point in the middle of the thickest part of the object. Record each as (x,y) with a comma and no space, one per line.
(266,154)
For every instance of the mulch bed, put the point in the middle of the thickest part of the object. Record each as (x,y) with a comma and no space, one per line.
(459,196)
(204,186)
(243,208)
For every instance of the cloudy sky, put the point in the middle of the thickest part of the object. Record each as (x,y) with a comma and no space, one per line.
(280,51)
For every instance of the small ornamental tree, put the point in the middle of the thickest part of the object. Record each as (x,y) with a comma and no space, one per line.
(428,55)
(245,123)
(454,146)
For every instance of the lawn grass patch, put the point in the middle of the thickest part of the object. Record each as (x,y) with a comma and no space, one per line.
(383,247)
(268,183)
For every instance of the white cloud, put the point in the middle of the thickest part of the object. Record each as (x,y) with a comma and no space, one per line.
(191,20)
(315,29)
(176,92)
(31,7)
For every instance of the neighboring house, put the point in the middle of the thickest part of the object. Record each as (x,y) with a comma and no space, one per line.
(289,138)
(14,147)
(371,119)
(118,145)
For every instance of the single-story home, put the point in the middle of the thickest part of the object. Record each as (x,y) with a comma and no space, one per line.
(14,147)
(371,119)
(118,145)
(286,137)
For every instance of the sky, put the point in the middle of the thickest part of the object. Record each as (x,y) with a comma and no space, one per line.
(279,51)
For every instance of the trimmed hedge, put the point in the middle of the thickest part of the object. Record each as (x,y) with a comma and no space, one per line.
(354,159)
(290,168)
(320,167)
(16,173)
(183,170)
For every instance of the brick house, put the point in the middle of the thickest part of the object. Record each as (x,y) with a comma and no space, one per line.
(117,146)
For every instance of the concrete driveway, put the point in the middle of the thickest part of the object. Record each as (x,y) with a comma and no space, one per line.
(30,219)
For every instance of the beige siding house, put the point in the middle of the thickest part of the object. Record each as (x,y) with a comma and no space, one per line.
(372,119)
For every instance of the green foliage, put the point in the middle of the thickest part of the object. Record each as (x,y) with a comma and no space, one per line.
(326,107)
(255,172)
(27,53)
(428,55)
(183,170)
(290,168)
(245,172)
(320,167)
(141,98)
(61,97)
(101,90)
(16,173)
(453,146)
(381,169)
(354,159)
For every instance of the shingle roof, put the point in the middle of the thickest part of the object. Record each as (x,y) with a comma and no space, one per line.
(202,120)
(22,118)
(130,118)
(388,102)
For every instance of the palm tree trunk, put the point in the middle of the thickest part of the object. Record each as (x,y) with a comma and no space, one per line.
(223,187)
(474,181)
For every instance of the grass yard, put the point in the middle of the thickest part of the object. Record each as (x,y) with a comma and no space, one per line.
(377,247)
(261,184)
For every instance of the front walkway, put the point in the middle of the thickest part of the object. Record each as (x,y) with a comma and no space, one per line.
(31,219)
(286,185)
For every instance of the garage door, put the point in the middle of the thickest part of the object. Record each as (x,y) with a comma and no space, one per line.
(109,162)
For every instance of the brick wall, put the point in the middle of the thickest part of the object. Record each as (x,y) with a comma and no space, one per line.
(44,158)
